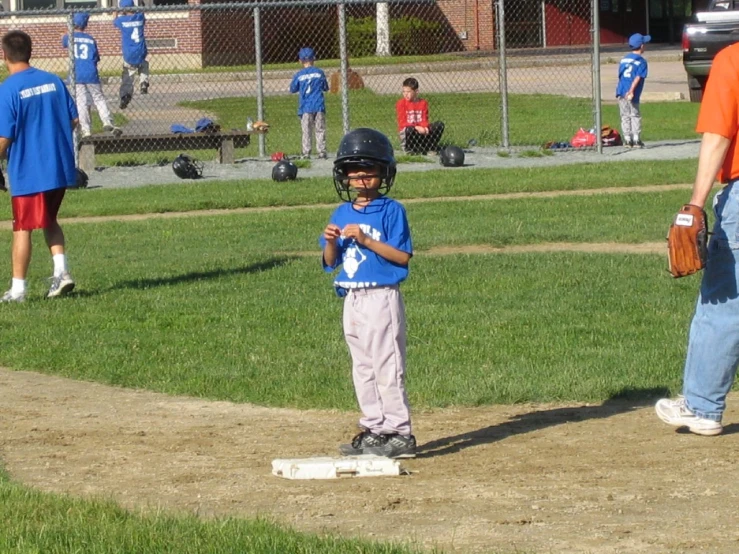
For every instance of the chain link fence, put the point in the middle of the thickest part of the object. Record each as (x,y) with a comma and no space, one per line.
(513,73)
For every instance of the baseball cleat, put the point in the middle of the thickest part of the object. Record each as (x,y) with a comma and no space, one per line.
(144,88)
(676,413)
(125,101)
(361,440)
(60,285)
(10,297)
(395,446)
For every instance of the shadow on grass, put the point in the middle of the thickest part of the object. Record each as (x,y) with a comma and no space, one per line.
(625,401)
(141,284)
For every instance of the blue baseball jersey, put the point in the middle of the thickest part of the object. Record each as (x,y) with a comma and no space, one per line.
(133,43)
(311,83)
(631,66)
(384,220)
(86,58)
(36,113)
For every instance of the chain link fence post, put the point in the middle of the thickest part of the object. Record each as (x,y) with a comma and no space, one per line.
(260,77)
(72,81)
(597,103)
(344,60)
(502,74)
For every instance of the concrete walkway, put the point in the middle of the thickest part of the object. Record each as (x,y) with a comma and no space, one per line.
(475,158)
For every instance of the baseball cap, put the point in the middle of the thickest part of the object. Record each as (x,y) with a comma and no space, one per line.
(80,19)
(125,4)
(306,54)
(637,40)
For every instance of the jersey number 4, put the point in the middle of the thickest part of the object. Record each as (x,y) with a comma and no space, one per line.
(136,35)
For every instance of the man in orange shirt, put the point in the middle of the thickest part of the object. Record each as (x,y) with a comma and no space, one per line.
(417,135)
(713,343)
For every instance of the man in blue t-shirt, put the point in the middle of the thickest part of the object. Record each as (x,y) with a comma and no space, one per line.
(37,121)
(311,83)
(86,78)
(631,74)
(133,45)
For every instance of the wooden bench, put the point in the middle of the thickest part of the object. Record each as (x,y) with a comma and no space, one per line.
(224,141)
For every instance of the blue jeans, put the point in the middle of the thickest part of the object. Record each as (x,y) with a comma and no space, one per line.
(713,343)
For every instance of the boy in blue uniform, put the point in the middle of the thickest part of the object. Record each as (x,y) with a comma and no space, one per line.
(368,236)
(86,77)
(311,83)
(37,120)
(133,44)
(631,74)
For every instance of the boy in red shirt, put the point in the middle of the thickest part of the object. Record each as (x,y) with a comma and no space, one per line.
(417,135)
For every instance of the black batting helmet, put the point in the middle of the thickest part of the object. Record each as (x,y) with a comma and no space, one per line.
(80,180)
(284,170)
(186,167)
(366,147)
(451,156)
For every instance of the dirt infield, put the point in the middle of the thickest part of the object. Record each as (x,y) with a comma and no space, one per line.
(535,478)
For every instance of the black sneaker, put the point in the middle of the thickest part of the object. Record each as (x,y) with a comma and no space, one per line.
(125,101)
(144,88)
(638,144)
(360,442)
(395,446)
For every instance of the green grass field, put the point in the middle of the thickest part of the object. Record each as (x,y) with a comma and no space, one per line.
(528,125)
(236,307)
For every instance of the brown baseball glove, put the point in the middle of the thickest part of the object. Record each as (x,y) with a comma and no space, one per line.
(687,241)
(262,126)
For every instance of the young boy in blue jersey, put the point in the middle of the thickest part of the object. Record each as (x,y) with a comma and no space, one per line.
(86,77)
(37,121)
(369,238)
(632,71)
(311,83)
(133,45)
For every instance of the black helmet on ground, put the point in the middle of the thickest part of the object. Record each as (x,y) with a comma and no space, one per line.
(451,156)
(186,167)
(81,179)
(284,170)
(364,147)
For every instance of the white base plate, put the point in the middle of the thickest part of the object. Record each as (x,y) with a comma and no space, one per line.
(335,468)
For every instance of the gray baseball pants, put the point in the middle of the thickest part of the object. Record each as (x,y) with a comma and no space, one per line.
(84,94)
(308,121)
(374,329)
(128,74)
(630,117)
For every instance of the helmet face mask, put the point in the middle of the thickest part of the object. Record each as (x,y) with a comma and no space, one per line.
(364,149)
(186,167)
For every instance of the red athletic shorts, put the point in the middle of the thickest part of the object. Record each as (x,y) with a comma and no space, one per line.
(36,211)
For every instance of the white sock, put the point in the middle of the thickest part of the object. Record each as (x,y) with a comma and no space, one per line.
(18,287)
(60,264)
(636,137)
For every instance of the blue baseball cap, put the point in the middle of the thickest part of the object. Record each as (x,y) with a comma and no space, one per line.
(125,4)
(306,54)
(80,19)
(637,40)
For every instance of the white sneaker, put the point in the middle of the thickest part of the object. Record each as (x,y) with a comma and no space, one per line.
(60,285)
(10,297)
(676,413)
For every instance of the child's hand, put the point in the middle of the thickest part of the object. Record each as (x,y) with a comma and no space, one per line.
(629,97)
(331,233)
(354,231)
